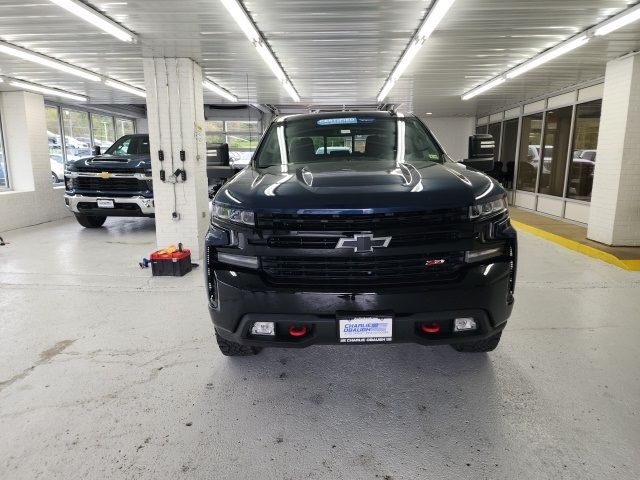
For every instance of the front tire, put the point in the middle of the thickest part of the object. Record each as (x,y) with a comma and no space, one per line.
(233,349)
(486,345)
(90,221)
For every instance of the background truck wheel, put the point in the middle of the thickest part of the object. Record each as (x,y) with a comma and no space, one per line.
(486,345)
(233,349)
(90,221)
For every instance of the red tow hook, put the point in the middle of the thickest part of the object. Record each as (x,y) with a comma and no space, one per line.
(430,329)
(297,330)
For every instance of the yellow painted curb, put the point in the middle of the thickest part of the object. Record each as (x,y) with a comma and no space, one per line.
(578,247)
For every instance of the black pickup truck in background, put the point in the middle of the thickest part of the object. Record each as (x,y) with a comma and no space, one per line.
(115,184)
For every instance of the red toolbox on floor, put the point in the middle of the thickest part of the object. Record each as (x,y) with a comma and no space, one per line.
(166,263)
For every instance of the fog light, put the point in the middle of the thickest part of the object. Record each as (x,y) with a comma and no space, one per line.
(464,324)
(263,328)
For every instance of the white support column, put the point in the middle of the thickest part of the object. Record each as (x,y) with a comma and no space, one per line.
(32,198)
(615,203)
(175,113)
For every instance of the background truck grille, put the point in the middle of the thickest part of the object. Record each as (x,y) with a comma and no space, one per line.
(102,169)
(345,223)
(337,271)
(111,184)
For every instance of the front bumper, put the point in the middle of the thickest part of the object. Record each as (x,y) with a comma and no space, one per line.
(242,298)
(137,206)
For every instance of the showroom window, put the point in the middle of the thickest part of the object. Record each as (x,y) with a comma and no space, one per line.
(529,154)
(495,130)
(557,135)
(77,134)
(124,127)
(54,135)
(242,136)
(103,131)
(215,132)
(585,143)
(481,129)
(4,173)
(509,151)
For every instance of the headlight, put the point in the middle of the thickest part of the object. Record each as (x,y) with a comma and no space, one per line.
(235,215)
(488,208)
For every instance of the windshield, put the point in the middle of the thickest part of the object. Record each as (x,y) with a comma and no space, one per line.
(341,139)
(132,145)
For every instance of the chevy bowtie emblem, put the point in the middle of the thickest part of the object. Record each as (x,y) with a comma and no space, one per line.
(104,175)
(362,243)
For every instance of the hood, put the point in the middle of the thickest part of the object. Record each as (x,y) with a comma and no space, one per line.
(358,185)
(112,162)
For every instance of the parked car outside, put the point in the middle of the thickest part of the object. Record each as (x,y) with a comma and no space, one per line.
(57,166)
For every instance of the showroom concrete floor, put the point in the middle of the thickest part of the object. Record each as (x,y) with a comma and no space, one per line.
(106,372)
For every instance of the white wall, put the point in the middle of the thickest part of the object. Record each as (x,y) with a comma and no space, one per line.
(33,198)
(452,133)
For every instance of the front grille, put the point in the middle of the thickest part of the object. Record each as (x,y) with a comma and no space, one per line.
(359,223)
(132,207)
(101,169)
(370,270)
(322,242)
(111,184)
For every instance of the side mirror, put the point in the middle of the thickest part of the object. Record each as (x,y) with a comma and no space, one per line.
(481,152)
(96,150)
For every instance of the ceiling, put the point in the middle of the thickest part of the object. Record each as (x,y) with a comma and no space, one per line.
(335,51)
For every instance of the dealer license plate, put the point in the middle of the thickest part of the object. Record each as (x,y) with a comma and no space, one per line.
(105,204)
(365,329)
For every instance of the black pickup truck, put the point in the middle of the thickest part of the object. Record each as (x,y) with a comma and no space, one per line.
(357,228)
(115,184)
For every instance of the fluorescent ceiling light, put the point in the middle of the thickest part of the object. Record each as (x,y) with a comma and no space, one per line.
(406,59)
(429,24)
(97,19)
(245,22)
(436,14)
(386,89)
(483,88)
(621,20)
(30,56)
(241,17)
(603,28)
(271,61)
(528,65)
(548,56)
(219,90)
(292,92)
(125,88)
(47,91)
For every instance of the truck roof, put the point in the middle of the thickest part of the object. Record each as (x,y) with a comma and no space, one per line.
(340,114)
